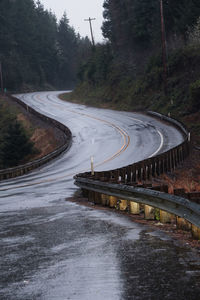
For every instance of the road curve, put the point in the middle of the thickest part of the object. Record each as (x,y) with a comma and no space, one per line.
(53,249)
(113,138)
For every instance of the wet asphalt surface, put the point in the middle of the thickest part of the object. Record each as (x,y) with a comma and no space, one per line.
(51,248)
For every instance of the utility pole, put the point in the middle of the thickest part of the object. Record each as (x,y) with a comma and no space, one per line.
(164,48)
(90,22)
(1,78)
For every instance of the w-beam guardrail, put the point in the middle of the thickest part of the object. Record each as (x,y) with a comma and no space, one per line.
(122,184)
(25,168)
(149,168)
(170,203)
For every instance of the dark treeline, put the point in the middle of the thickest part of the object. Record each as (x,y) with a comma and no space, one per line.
(134,26)
(129,65)
(36,52)
(35,49)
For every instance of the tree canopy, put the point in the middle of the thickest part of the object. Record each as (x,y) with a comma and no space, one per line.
(36,50)
(133,26)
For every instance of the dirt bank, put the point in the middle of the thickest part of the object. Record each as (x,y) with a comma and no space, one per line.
(186,176)
(45,137)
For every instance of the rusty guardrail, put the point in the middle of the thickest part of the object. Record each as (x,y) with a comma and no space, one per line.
(145,170)
(121,185)
(176,205)
(25,168)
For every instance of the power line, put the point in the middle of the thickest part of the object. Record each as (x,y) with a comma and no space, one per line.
(90,22)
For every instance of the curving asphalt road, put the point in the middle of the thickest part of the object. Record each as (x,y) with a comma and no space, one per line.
(54,249)
(113,138)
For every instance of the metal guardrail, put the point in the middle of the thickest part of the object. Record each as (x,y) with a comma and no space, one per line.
(25,168)
(122,183)
(176,123)
(173,204)
(152,167)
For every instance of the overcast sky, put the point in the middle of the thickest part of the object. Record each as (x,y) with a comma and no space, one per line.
(77,11)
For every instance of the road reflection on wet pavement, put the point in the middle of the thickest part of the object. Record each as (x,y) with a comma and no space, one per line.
(53,249)
(67,251)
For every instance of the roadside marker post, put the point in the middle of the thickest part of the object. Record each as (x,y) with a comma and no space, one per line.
(92,165)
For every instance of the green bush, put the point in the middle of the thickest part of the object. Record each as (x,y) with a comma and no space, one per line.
(14,141)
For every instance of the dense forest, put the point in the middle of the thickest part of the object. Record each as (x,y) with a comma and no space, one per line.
(127,70)
(36,50)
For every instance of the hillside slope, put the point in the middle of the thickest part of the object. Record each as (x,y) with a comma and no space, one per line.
(146,92)
(41,138)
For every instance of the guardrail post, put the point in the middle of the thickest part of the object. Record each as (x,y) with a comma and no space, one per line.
(91,196)
(181,154)
(97,198)
(128,174)
(151,172)
(123,204)
(183,224)
(196,232)
(178,156)
(176,159)
(139,174)
(153,168)
(136,175)
(149,212)
(166,217)
(146,172)
(116,175)
(134,208)
(159,167)
(85,193)
(133,177)
(112,201)
(142,173)
(173,160)
(104,200)
(170,161)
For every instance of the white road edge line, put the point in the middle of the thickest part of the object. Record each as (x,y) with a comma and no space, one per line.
(161,138)
(161,144)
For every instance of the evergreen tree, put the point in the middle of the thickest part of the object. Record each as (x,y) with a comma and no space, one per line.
(35,50)
(16,145)
(67,50)
(134,30)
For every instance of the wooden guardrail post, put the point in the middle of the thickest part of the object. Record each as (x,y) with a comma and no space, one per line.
(149,212)
(112,201)
(123,204)
(139,173)
(134,208)
(91,196)
(166,217)
(195,232)
(104,200)
(182,223)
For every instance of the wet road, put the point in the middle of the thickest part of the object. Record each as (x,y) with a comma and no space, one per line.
(53,249)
